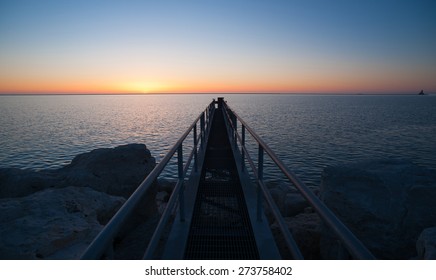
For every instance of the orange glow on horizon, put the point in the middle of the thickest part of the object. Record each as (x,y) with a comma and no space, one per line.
(301,85)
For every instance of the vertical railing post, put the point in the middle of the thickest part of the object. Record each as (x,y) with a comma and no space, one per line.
(195,148)
(242,149)
(235,126)
(260,178)
(202,129)
(182,189)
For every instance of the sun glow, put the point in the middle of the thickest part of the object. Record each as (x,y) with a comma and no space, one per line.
(143,87)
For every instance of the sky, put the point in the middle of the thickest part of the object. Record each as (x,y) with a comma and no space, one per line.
(278,46)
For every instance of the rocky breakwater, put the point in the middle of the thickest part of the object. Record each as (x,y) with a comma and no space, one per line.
(388,204)
(301,220)
(55,214)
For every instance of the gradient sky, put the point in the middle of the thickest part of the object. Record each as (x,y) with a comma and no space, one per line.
(298,46)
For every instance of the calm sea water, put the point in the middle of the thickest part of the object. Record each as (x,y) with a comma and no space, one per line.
(308,132)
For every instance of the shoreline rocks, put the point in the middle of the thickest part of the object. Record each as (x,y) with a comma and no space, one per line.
(117,171)
(388,204)
(385,203)
(51,221)
(302,222)
(57,213)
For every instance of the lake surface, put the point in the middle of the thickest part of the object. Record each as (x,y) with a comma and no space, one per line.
(308,132)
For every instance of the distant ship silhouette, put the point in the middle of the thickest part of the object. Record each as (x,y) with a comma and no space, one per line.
(421,93)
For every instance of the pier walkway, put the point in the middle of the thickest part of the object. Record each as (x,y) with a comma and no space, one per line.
(218,210)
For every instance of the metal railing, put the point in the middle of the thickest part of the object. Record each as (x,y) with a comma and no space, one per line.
(102,245)
(354,246)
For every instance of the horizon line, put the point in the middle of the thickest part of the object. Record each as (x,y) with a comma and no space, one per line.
(199,93)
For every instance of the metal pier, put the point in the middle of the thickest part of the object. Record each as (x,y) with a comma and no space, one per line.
(220,226)
(217,211)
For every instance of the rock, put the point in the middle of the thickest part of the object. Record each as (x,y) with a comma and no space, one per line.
(294,204)
(109,172)
(305,229)
(53,223)
(117,171)
(385,203)
(164,191)
(426,244)
(288,199)
(16,182)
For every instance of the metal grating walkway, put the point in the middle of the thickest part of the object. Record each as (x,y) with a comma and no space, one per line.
(220,227)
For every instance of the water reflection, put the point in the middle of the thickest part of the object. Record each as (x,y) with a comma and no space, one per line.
(307,132)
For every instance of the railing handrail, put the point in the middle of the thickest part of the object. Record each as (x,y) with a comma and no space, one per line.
(258,175)
(177,192)
(102,241)
(354,246)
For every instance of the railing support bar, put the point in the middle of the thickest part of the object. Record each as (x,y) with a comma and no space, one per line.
(235,130)
(195,149)
(152,245)
(202,130)
(260,177)
(182,192)
(243,149)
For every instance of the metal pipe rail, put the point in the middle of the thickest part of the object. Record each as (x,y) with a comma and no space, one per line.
(178,192)
(103,242)
(354,246)
(258,175)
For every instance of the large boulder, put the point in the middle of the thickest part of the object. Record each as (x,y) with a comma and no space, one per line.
(289,201)
(44,217)
(53,223)
(116,171)
(385,203)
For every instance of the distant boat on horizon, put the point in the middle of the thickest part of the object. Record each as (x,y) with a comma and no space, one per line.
(422,92)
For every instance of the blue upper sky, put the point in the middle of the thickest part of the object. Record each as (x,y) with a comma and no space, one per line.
(203,46)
